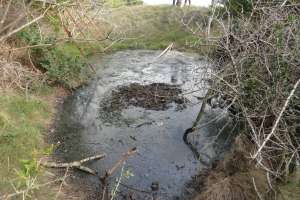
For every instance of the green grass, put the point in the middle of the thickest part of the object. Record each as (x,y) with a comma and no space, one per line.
(154,27)
(22,124)
(159,40)
(291,189)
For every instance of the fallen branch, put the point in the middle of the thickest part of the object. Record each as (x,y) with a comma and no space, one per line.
(109,172)
(135,189)
(165,51)
(120,162)
(75,164)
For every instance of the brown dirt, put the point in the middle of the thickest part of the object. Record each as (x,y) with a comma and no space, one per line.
(155,96)
(74,188)
(232,178)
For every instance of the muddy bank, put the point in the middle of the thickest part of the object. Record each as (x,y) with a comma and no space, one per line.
(235,177)
(140,100)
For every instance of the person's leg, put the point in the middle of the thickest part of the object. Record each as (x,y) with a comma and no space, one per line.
(178,3)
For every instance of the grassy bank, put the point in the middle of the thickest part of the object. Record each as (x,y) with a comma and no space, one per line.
(24,120)
(155,27)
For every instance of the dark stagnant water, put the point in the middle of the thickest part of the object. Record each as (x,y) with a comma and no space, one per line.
(163,158)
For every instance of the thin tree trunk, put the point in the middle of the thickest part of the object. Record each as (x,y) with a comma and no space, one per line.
(201,111)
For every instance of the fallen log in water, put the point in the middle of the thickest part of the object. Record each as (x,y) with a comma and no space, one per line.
(75,164)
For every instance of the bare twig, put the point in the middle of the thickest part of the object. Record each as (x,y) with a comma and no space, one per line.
(24,26)
(62,183)
(277,120)
(5,14)
(165,51)
(256,190)
(17,193)
(120,162)
(108,173)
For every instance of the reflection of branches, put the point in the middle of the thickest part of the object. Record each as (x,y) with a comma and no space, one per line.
(108,173)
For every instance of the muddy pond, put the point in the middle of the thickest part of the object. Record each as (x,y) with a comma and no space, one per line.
(143,100)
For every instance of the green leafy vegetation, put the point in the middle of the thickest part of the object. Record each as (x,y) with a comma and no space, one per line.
(22,124)
(63,63)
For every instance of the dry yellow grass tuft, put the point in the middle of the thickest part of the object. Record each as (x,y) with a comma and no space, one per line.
(14,75)
(235,178)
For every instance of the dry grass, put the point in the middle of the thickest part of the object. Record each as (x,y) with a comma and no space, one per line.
(15,75)
(236,187)
(235,178)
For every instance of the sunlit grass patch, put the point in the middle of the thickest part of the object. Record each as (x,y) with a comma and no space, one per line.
(155,27)
(291,189)
(23,120)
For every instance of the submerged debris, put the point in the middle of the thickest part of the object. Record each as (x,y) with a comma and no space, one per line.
(155,96)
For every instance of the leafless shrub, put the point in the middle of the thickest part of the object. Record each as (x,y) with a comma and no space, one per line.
(77,21)
(83,21)
(257,70)
(258,61)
